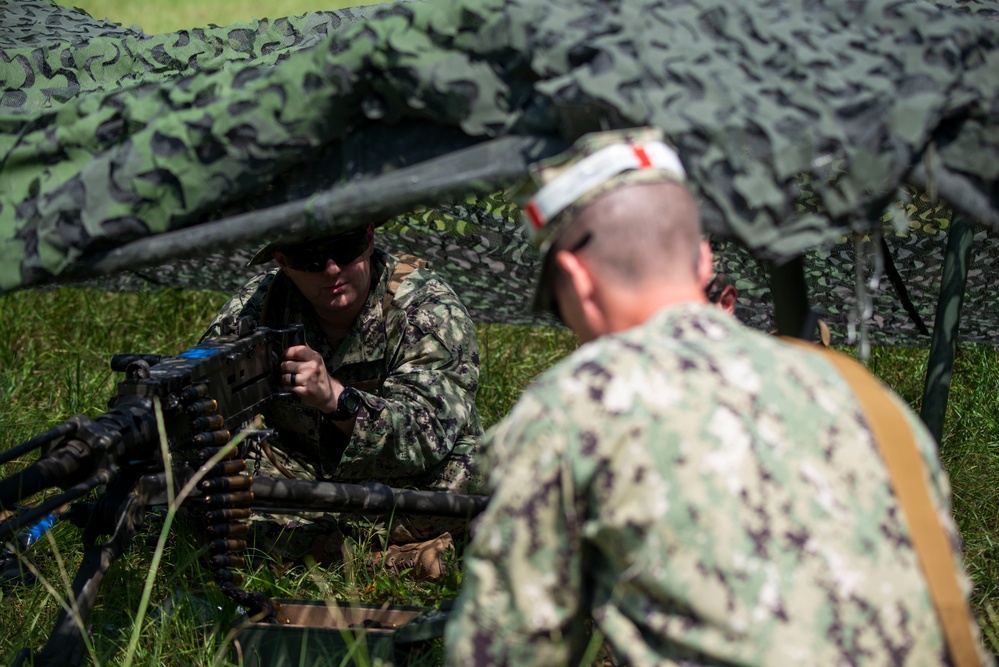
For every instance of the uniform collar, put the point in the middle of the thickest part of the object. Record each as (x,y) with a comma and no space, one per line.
(366,339)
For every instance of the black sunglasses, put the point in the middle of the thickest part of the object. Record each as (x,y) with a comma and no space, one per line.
(342,249)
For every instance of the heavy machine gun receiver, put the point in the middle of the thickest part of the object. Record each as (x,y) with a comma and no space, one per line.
(206,393)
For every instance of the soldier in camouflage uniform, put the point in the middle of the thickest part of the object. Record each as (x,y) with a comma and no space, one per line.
(704,493)
(384,387)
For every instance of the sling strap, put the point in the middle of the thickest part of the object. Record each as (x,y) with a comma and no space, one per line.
(407,264)
(897,444)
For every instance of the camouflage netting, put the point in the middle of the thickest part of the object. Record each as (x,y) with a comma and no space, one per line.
(799,122)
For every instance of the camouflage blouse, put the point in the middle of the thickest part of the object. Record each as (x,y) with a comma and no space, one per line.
(707,495)
(416,363)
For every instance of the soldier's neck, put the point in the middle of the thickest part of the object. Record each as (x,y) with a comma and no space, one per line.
(337,325)
(335,329)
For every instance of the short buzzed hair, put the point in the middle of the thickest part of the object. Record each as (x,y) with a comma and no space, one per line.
(639,233)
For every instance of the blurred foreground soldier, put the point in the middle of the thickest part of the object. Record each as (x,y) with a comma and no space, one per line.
(384,386)
(702,493)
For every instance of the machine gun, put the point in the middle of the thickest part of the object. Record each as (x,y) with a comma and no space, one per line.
(205,395)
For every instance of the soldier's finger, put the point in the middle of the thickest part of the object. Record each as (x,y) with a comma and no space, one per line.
(300,353)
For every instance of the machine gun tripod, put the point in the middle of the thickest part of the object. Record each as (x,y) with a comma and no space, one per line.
(170,425)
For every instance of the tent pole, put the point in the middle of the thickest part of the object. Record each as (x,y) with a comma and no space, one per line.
(790,296)
(943,345)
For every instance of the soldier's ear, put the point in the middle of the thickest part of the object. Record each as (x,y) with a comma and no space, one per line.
(280,259)
(577,273)
(727,299)
(580,304)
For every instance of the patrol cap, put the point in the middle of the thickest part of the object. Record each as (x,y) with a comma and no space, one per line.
(560,186)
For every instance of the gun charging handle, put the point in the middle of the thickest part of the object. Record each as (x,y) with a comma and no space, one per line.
(121,362)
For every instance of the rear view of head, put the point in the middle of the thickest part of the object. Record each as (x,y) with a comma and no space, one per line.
(619,230)
(638,234)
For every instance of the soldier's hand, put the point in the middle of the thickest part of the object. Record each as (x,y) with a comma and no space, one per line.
(303,373)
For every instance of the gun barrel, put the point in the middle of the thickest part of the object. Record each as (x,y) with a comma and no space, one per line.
(53,469)
(66,428)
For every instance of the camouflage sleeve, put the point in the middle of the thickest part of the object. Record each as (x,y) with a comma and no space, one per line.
(521,590)
(427,400)
(247,302)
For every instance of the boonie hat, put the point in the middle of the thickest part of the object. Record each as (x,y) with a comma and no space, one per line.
(266,253)
(559,187)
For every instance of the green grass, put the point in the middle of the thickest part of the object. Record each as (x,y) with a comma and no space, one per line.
(970,451)
(511,357)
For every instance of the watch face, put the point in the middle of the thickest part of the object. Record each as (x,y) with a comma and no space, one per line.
(351,400)
(347,404)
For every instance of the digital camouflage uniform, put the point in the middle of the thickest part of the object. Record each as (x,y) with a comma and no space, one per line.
(708,496)
(416,364)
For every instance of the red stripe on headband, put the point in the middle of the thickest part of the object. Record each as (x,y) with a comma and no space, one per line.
(643,158)
(534,214)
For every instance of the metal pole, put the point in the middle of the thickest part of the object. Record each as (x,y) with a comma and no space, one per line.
(790,296)
(943,346)
(481,169)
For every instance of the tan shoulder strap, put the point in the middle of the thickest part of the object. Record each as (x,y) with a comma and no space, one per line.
(824,334)
(407,264)
(897,445)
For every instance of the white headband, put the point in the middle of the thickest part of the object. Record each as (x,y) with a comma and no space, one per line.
(595,169)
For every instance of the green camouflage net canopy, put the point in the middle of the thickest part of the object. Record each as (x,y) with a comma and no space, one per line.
(847,131)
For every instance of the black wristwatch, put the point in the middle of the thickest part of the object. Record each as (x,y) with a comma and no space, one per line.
(347,405)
